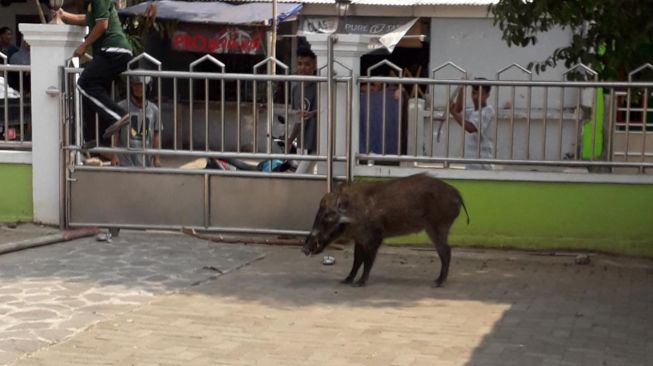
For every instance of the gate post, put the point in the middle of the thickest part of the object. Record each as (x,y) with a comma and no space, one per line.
(51,45)
(347,50)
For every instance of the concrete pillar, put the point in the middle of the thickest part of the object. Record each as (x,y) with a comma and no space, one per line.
(347,50)
(51,45)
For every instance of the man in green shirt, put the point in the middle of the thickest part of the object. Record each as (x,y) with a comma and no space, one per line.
(111,53)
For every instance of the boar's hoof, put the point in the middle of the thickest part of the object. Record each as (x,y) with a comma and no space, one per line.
(437,284)
(358,284)
(347,281)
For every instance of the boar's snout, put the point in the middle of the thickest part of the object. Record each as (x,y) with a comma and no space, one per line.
(307,245)
(328,225)
(311,245)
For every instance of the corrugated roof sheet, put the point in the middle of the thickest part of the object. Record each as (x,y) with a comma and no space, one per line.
(392,2)
(216,12)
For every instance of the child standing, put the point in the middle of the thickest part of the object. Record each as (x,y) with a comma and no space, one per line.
(476,121)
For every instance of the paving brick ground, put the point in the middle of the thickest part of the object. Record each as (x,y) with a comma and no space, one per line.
(18,232)
(51,293)
(498,308)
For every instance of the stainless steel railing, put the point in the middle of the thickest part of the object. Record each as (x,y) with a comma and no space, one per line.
(15,106)
(536,125)
(209,115)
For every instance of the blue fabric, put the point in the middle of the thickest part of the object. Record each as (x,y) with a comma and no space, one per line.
(264,166)
(376,122)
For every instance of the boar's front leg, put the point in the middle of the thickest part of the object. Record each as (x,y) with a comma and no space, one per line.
(358,260)
(369,255)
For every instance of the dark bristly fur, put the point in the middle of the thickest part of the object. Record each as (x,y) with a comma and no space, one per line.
(371,211)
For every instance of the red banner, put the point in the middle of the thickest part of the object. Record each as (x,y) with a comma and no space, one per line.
(218,40)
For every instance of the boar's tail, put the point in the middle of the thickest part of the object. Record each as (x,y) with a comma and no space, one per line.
(462,203)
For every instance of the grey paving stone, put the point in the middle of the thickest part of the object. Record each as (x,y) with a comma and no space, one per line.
(54,291)
(280,310)
(25,345)
(31,315)
(53,335)
(30,326)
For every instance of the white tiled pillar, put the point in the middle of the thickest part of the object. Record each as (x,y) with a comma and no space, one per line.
(51,45)
(347,51)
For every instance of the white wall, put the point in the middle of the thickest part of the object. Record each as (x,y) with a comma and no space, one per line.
(476,46)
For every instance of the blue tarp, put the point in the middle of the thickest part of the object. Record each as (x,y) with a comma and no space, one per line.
(215,12)
(376,122)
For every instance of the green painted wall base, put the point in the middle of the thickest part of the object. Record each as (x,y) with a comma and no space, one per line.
(15,192)
(610,218)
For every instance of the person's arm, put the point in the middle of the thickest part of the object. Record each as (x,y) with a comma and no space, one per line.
(308,118)
(458,117)
(101,17)
(98,30)
(156,136)
(114,157)
(456,102)
(115,139)
(293,135)
(69,18)
(156,142)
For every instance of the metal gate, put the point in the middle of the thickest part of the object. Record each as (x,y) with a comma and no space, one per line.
(207,118)
(571,128)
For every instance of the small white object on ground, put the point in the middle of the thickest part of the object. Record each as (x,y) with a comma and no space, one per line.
(104,236)
(582,259)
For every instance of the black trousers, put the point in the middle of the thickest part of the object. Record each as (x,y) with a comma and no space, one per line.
(95,86)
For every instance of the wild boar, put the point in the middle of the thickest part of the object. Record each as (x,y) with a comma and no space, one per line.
(368,212)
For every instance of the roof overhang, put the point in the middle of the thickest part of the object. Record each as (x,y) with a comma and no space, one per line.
(216,12)
(397,8)
(388,2)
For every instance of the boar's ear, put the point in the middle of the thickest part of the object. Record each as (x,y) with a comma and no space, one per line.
(340,187)
(342,203)
(342,206)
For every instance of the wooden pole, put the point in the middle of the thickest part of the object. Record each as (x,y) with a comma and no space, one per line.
(273,46)
(40,11)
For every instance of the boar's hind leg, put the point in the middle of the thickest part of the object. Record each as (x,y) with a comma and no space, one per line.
(358,260)
(439,238)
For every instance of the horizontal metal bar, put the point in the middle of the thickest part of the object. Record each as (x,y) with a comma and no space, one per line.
(224,76)
(575,84)
(233,173)
(220,75)
(202,154)
(420,159)
(632,109)
(18,145)
(10,67)
(507,175)
(632,153)
(381,79)
(180,227)
(257,231)
(73,70)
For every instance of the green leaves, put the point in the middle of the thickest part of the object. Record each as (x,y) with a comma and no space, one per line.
(610,36)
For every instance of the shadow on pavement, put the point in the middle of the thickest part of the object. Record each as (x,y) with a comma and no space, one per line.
(497,308)
(555,312)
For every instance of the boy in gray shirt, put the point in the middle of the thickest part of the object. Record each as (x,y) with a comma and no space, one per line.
(144,126)
(304,103)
